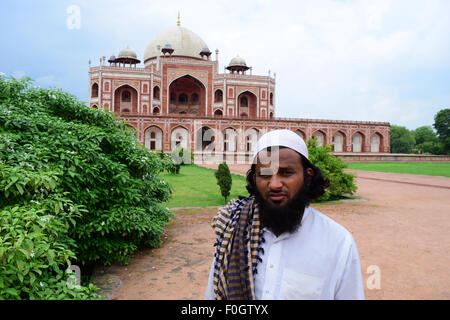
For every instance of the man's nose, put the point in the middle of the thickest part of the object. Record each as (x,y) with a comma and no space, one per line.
(275,182)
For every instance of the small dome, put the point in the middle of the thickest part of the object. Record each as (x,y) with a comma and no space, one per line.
(127,53)
(237,61)
(167,45)
(205,49)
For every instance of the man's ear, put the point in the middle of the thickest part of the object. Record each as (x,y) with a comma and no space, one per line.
(310,174)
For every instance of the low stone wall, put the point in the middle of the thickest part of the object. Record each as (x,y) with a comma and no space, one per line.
(245,157)
(394,157)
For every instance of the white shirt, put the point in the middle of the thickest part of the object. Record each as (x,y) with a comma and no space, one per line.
(318,261)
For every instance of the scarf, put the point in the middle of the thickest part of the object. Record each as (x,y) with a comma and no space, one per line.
(239,238)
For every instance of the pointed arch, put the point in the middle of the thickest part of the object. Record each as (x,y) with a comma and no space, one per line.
(121,100)
(94,90)
(156,92)
(251,138)
(205,139)
(339,141)
(229,140)
(376,142)
(358,141)
(179,137)
(187,93)
(218,96)
(320,136)
(247,103)
(153,138)
(301,133)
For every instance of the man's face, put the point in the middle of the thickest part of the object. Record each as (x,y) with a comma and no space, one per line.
(281,187)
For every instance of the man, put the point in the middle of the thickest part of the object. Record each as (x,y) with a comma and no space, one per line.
(273,245)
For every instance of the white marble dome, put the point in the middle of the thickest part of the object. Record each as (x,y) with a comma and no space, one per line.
(127,53)
(183,41)
(237,61)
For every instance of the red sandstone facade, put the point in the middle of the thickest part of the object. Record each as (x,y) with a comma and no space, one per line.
(182,99)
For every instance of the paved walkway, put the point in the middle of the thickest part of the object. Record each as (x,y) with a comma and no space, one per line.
(401,226)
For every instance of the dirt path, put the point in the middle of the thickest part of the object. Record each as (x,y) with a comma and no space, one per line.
(401,226)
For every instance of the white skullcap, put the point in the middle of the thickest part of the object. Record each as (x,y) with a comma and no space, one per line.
(281,138)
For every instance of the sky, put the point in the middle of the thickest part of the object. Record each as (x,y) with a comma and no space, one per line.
(367,60)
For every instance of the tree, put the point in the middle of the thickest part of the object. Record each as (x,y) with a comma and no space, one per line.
(442,126)
(341,183)
(224,180)
(80,186)
(426,140)
(402,140)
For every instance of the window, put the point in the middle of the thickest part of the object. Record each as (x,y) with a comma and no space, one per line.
(155,110)
(156,93)
(126,96)
(194,98)
(244,102)
(271,99)
(218,96)
(182,99)
(94,92)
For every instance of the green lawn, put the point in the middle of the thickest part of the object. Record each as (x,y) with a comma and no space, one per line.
(196,186)
(423,168)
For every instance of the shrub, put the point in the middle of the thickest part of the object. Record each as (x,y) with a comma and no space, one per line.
(57,152)
(224,180)
(34,249)
(341,183)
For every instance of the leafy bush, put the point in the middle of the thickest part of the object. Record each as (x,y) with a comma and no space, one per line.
(84,171)
(341,183)
(224,180)
(34,246)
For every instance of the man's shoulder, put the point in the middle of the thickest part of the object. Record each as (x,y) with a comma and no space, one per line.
(327,226)
(224,213)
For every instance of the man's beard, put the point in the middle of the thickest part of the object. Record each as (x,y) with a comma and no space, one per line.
(285,218)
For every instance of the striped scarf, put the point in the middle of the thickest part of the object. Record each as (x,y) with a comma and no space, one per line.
(239,237)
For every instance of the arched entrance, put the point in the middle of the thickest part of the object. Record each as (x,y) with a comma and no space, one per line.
(247,104)
(251,138)
(153,138)
(301,134)
(229,140)
(94,91)
(338,142)
(187,94)
(357,142)
(125,99)
(320,136)
(205,139)
(179,138)
(376,142)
